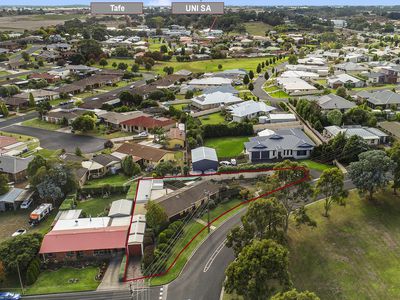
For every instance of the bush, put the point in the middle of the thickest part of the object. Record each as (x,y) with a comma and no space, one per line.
(231,129)
(147,259)
(245,167)
(68,203)
(33,271)
(101,190)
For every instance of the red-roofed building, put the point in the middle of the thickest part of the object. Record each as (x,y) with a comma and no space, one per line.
(48,77)
(146,123)
(84,243)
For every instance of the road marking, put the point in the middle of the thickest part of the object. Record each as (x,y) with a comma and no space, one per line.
(213,256)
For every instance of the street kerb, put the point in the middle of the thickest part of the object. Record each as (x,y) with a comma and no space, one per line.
(304,178)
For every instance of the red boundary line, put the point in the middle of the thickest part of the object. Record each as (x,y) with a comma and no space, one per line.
(304,178)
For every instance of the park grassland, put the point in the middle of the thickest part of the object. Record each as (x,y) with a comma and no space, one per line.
(352,255)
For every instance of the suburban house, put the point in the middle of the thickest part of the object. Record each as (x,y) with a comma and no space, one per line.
(145,155)
(383,99)
(300,74)
(345,80)
(114,119)
(11,146)
(320,70)
(209,81)
(204,159)
(14,103)
(14,167)
(146,123)
(46,76)
(332,101)
(85,239)
(176,138)
(372,136)
(248,110)
(350,68)
(186,199)
(281,144)
(296,86)
(213,100)
(59,115)
(101,165)
(39,95)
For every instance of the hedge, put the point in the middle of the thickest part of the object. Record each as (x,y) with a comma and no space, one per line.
(246,167)
(68,203)
(231,129)
(101,190)
(33,271)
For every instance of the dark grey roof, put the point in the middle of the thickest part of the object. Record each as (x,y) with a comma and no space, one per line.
(380,97)
(105,159)
(12,195)
(14,165)
(287,139)
(333,101)
(222,89)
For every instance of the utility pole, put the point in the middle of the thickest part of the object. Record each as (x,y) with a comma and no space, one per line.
(208,210)
(19,275)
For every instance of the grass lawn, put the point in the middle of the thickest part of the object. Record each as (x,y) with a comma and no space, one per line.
(117,179)
(4,73)
(215,118)
(220,209)
(180,106)
(47,153)
(257,28)
(41,124)
(227,146)
(371,88)
(321,81)
(58,281)
(279,94)
(190,230)
(271,88)
(132,191)
(96,206)
(212,64)
(315,165)
(352,255)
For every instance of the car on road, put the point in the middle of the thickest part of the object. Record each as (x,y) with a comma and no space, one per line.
(19,232)
(9,296)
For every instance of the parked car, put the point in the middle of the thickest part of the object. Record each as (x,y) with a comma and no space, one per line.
(26,203)
(225,163)
(19,232)
(143,134)
(9,296)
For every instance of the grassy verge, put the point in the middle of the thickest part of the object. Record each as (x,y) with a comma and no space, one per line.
(372,88)
(215,118)
(279,94)
(36,123)
(220,209)
(132,191)
(58,281)
(227,146)
(352,255)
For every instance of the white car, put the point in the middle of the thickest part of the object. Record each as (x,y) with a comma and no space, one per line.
(19,232)
(26,203)
(224,163)
(143,134)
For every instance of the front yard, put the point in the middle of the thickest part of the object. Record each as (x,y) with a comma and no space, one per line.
(65,280)
(37,123)
(279,95)
(212,119)
(227,147)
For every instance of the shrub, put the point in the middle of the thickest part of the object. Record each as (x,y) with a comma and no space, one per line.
(33,271)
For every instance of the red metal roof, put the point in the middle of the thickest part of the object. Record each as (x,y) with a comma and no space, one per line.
(85,239)
(149,122)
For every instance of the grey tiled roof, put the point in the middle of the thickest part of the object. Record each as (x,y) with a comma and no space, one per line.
(333,101)
(380,97)
(14,165)
(204,153)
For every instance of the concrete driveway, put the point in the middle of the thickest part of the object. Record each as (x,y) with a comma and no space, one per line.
(55,140)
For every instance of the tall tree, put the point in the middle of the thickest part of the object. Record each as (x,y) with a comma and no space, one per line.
(330,185)
(260,268)
(32,102)
(394,154)
(129,167)
(371,172)
(265,218)
(156,217)
(4,187)
(246,79)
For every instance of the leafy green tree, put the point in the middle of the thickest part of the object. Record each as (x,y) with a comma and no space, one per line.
(43,108)
(32,102)
(103,62)
(341,92)
(163,49)
(260,268)
(4,187)
(90,49)
(371,172)
(264,219)
(84,123)
(334,117)
(394,154)
(122,66)
(129,167)
(292,59)
(251,74)
(246,79)
(19,251)
(353,147)
(330,185)
(295,295)
(219,67)
(259,68)
(25,56)
(135,68)
(35,164)
(266,75)
(78,151)
(251,86)
(4,110)
(164,168)
(156,217)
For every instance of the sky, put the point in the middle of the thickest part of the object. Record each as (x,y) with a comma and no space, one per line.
(227,2)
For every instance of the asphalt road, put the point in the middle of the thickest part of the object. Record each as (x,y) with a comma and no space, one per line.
(54,140)
(12,121)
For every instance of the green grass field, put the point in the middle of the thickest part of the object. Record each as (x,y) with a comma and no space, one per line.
(117,179)
(279,94)
(372,88)
(352,255)
(97,205)
(132,191)
(58,281)
(215,118)
(227,147)
(271,88)
(257,28)
(220,209)
(315,165)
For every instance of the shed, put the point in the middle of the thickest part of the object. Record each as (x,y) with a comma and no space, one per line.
(12,199)
(204,158)
(136,235)
(120,208)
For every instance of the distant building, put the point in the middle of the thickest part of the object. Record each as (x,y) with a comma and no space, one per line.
(344,80)
(248,110)
(332,101)
(213,100)
(383,99)
(372,136)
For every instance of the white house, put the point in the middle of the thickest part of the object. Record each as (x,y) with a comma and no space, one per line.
(249,109)
(372,136)
(213,100)
(344,80)
(296,86)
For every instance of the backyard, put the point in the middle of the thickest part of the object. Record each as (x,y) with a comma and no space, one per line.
(215,118)
(316,165)
(98,206)
(117,179)
(352,255)
(227,147)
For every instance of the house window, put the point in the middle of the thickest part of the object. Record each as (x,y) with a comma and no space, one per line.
(70,254)
(301,152)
